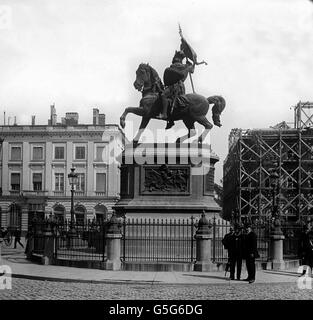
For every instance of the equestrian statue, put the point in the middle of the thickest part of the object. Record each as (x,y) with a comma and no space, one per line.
(169,101)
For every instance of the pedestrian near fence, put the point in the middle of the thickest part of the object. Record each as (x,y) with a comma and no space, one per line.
(236,249)
(226,243)
(251,252)
(17,239)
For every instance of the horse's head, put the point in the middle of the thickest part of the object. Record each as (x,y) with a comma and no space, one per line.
(142,76)
(146,78)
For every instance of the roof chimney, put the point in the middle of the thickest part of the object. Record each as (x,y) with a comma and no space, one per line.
(33,120)
(102,119)
(53,116)
(95,118)
(71,118)
(15,123)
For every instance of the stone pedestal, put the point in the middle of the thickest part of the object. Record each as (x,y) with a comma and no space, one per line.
(49,243)
(113,245)
(203,238)
(276,247)
(277,252)
(167,180)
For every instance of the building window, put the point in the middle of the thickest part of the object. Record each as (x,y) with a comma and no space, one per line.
(100,182)
(80,212)
(37,153)
(101,213)
(99,153)
(80,182)
(15,216)
(59,181)
(16,153)
(59,153)
(80,153)
(59,213)
(15,181)
(37,181)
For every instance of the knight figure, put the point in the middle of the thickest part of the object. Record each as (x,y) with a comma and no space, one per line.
(173,78)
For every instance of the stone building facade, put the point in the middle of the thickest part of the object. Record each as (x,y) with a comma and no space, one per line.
(35,161)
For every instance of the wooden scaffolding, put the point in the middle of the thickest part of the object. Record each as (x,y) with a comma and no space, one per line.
(252,155)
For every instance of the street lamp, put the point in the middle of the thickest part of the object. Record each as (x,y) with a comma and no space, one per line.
(274,182)
(73,179)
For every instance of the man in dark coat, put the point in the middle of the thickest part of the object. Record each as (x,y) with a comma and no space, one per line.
(307,248)
(17,239)
(251,252)
(235,250)
(226,243)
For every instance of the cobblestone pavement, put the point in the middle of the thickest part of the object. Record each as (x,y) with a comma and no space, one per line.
(25,289)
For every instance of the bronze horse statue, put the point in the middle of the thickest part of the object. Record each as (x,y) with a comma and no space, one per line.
(193,107)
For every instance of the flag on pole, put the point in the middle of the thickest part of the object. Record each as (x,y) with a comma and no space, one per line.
(187,49)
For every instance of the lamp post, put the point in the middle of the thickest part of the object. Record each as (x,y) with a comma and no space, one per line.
(73,178)
(276,235)
(274,181)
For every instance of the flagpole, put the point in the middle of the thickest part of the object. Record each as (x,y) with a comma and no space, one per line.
(190,77)
(193,89)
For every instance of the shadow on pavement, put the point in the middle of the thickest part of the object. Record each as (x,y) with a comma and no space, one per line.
(284,273)
(206,276)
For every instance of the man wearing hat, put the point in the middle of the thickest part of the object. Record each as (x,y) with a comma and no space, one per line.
(236,252)
(251,252)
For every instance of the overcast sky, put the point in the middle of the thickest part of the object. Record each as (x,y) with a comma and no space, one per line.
(84,54)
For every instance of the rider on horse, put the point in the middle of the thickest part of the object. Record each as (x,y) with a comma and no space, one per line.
(174,78)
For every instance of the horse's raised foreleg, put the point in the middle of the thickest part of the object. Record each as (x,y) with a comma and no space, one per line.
(135,110)
(207,127)
(142,127)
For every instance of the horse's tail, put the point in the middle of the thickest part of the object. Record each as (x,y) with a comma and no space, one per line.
(219,105)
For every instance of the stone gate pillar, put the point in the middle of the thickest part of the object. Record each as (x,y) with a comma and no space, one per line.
(113,242)
(276,246)
(203,238)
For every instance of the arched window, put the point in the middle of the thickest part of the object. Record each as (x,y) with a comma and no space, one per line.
(15,213)
(80,214)
(101,213)
(59,213)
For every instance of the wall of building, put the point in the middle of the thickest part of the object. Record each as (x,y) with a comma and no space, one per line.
(29,138)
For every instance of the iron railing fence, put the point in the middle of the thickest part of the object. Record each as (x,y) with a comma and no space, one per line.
(291,243)
(87,242)
(220,228)
(169,240)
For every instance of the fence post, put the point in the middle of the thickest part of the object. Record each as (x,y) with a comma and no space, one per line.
(113,241)
(203,238)
(276,246)
(48,238)
(214,239)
